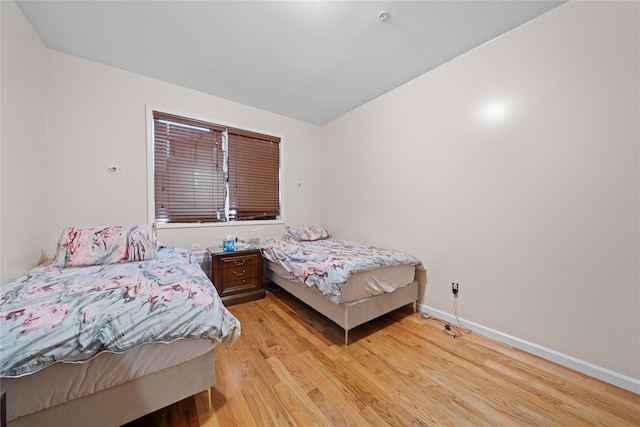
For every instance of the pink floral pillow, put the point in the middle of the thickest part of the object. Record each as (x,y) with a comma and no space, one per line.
(311,233)
(80,246)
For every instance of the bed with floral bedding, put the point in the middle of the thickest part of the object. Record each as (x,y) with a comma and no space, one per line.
(350,283)
(114,327)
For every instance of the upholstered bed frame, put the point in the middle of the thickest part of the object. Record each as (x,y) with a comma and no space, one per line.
(348,315)
(128,401)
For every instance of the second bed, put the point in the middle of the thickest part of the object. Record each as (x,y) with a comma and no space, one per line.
(349,283)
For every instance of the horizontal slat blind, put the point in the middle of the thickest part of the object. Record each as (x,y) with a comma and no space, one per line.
(254,175)
(189,180)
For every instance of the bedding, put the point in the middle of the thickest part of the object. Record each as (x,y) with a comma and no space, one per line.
(326,264)
(362,284)
(73,314)
(309,234)
(78,246)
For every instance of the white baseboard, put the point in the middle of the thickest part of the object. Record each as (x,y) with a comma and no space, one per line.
(620,380)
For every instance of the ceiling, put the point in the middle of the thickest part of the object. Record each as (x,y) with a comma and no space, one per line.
(309,60)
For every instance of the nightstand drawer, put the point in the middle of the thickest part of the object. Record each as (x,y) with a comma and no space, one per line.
(237,273)
(238,287)
(242,261)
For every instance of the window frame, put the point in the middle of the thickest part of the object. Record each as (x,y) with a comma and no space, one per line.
(151,214)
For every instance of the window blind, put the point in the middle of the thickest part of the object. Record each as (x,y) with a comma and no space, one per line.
(254,176)
(189,179)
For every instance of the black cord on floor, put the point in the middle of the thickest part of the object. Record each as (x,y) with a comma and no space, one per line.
(454,331)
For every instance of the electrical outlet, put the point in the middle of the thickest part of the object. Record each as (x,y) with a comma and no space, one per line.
(196,246)
(454,288)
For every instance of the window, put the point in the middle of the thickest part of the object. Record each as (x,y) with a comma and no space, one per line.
(205,172)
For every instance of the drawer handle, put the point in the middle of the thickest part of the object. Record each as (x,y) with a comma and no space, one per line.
(239,263)
(239,274)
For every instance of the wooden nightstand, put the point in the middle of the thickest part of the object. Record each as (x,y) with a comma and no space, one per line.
(236,275)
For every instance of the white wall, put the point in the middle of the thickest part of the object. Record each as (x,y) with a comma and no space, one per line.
(536,216)
(24,149)
(89,116)
(97,117)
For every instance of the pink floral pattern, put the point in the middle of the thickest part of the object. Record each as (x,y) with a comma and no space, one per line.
(307,234)
(327,264)
(44,315)
(73,314)
(79,246)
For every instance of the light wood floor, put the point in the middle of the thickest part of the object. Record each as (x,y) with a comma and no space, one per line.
(290,368)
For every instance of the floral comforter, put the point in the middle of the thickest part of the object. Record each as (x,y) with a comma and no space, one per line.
(73,314)
(327,264)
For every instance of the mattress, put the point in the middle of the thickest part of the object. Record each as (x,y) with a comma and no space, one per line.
(72,314)
(359,285)
(62,382)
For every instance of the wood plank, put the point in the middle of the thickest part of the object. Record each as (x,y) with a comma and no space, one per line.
(289,368)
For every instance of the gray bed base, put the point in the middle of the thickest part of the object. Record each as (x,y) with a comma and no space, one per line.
(351,314)
(131,400)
